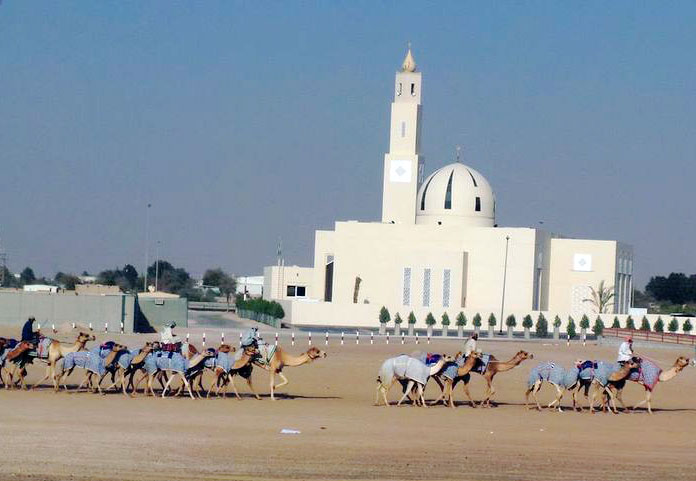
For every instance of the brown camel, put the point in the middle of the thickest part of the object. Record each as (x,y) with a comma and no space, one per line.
(56,351)
(18,359)
(447,385)
(494,367)
(617,376)
(664,376)
(243,367)
(87,379)
(281,359)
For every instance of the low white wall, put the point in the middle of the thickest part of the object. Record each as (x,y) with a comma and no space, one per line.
(328,314)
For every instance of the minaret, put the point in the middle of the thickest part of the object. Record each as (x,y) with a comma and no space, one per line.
(403,165)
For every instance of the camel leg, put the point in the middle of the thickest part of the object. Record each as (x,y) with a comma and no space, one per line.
(421,391)
(137,383)
(48,373)
(619,397)
(408,390)
(234,387)
(85,379)
(467,393)
(169,381)
(648,397)
(215,383)
(489,393)
(272,376)
(187,384)
(443,396)
(284,380)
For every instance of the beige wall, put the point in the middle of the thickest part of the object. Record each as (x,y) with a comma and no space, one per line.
(278,278)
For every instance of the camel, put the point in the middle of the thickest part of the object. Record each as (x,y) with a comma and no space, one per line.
(607,373)
(18,357)
(648,382)
(176,365)
(93,364)
(560,378)
(56,351)
(281,359)
(224,372)
(453,373)
(406,368)
(494,367)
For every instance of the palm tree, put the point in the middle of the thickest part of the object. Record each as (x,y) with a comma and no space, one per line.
(601,297)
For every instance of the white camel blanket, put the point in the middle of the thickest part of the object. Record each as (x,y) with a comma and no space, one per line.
(406,367)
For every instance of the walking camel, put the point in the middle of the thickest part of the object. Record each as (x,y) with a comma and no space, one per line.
(648,376)
(605,375)
(56,351)
(224,375)
(93,364)
(280,359)
(494,367)
(404,367)
(458,370)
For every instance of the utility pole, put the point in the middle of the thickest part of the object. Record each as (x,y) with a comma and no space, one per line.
(147,245)
(157,266)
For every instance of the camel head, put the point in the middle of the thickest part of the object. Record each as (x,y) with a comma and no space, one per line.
(681,362)
(524,355)
(119,348)
(84,337)
(315,353)
(226,348)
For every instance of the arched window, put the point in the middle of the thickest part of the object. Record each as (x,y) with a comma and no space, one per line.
(425,191)
(472,178)
(448,193)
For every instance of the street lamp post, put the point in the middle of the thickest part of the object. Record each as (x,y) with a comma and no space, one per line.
(147,245)
(502,304)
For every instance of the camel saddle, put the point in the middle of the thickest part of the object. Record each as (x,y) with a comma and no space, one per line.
(482,364)
(19,350)
(172,347)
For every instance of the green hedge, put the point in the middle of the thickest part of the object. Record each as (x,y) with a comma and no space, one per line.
(261,306)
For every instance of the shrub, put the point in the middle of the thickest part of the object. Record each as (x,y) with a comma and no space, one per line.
(556,321)
(615,324)
(585,322)
(598,327)
(461,319)
(429,319)
(384,316)
(570,329)
(445,320)
(673,325)
(659,325)
(644,324)
(492,320)
(261,306)
(477,320)
(511,321)
(687,326)
(527,322)
(629,323)
(542,326)
(397,319)
(411,318)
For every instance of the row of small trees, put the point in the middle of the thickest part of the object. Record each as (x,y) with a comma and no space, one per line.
(542,325)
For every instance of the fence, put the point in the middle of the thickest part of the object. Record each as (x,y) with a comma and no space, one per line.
(259,317)
(667,337)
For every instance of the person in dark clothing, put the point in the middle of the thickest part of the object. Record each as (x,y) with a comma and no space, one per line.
(28,332)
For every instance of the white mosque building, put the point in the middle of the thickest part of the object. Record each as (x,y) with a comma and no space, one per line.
(438,249)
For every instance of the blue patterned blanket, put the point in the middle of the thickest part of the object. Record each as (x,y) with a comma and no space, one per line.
(166,361)
(89,360)
(647,374)
(553,373)
(601,373)
(126,357)
(404,367)
(222,360)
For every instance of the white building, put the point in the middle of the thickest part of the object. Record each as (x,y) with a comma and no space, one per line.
(438,249)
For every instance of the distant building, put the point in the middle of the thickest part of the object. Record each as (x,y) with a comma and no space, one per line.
(252,286)
(438,249)
(40,288)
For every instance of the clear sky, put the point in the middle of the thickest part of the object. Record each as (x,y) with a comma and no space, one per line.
(245,121)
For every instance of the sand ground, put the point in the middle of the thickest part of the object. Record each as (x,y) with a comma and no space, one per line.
(343,436)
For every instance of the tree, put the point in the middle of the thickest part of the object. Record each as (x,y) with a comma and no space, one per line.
(510,321)
(430,319)
(126,278)
(445,319)
(644,324)
(384,316)
(222,280)
(570,329)
(66,281)
(673,325)
(687,326)
(461,319)
(615,324)
(542,326)
(492,320)
(477,320)
(171,279)
(659,325)
(411,318)
(27,276)
(584,322)
(527,322)
(556,321)
(397,319)
(601,298)
(8,279)
(598,327)
(629,323)
(675,288)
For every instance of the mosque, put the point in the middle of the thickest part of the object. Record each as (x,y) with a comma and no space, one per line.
(438,249)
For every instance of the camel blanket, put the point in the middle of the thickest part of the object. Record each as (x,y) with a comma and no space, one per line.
(553,373)
(89,360)
(601,373)
(42,348)
(222,361)
(266,352)
(451,368)
(406,367)
(482,364)
(648,374)
(126,357)
(166,361)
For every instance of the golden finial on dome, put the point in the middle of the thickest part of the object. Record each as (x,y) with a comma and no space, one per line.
(409,64)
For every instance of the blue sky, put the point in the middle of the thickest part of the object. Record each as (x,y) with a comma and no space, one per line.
(245,121)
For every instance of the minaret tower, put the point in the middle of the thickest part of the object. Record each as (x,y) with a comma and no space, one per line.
(403,165)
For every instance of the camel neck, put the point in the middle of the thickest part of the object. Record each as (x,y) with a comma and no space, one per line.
(291,361)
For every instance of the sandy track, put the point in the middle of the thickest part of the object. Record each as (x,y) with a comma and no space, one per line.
(85,436)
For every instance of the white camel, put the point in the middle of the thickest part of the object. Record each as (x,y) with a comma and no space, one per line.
(406,368)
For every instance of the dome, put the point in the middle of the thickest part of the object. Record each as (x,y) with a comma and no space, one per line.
(456,194)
